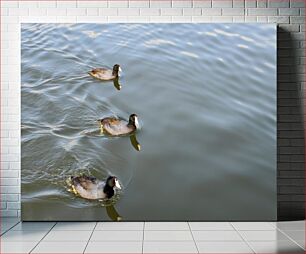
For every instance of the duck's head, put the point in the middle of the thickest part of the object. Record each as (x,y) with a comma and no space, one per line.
(117,70)
(113,182)
(133,120)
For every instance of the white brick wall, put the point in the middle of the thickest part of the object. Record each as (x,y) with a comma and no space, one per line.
(289,13)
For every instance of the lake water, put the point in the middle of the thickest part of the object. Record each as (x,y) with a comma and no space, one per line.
(206,98)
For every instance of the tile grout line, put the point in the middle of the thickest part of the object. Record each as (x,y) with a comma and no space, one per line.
(246,242)
(193,237)
(9,228)
(290,238)
(90,237)
(42,238)
(143,230)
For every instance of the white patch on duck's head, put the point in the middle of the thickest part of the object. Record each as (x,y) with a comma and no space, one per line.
(117,184)
(137,125)
(119,71)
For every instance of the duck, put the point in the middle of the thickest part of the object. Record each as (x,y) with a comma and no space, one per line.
(106,74)
(117,127)
(89,187)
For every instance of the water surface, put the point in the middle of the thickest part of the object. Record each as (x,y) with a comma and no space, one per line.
(206,98)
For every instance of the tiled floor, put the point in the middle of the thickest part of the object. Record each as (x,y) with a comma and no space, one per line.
(152,237)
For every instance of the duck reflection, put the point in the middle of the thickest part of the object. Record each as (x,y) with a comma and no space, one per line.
(90,188)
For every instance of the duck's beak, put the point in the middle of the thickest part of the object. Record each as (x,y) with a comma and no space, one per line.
(117,184)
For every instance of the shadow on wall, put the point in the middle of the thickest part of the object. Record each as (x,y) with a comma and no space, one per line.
(290,130)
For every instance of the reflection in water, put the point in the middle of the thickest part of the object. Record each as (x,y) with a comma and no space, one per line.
(112,213)
(117,84)
(134,142)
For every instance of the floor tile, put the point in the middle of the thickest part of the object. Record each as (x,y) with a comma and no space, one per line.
(114,247)
(223,247)
(23,236)
(63,226)
(258,235)
(216,236)
(296,235)
(69,236)
(211,226)
(166,226)
(100,236)
(33,226)
(169,247)
(253,226)
(17,247)
(119,226)
(291,225)
(276,247)
(60,247)
(169,236)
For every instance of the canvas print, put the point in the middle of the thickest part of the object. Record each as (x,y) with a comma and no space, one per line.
(155,122)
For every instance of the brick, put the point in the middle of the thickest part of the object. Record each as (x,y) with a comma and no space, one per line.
(233,12)
(297,20)
(118,4)
(66,4)
(160,4)
(181,19)
(181,3)
(9,4)
(289,28)
(262,19)
(108,11)
(201,19)
(128,11)
(92,12)
(13,205)
(47,4)
(92,4)
(160,19)
(9,197)
(289,11)
(18,12)
(138,19)
(211,11)
(262,12)
(291,150)
(9,173)
(238,3)
(150,11)
(9,181)
(202,3)
(297,3)
(171,11)
(250,19)
(9,213)
(56,12)
(192,11)
(222,3)
(37,11)
(76,11)
(250,3)
(222,19)
(262,4)
(278,3)
(278,19)
(238,19)
(139,4)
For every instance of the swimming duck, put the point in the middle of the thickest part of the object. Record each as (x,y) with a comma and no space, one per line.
(116,127)
(106,74)
(90,187)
